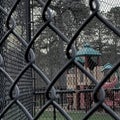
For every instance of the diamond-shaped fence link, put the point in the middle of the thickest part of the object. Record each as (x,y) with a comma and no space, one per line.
(46,73)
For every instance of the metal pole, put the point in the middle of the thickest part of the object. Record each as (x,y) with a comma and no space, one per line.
(28,39)
(28,20)
(2,85)
(54,113)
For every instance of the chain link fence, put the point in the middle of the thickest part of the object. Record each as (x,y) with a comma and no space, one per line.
(59,59)
(12,52)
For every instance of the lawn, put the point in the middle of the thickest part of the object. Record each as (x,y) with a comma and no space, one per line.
(75,115)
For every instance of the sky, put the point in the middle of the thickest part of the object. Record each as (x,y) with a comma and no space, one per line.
(105,5)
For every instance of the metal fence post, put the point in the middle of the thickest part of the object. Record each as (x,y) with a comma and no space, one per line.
(54,113)
(2,82)
(28,20)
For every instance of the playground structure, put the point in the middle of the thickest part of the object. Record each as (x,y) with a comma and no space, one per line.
(90,59)
(111,98)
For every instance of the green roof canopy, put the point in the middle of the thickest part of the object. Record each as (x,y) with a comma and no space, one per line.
(107,66)
(79,59)
(87,50)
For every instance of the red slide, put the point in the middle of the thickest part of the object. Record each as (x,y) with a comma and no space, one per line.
(111,84)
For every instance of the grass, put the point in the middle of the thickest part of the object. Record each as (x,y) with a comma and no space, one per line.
(75,115)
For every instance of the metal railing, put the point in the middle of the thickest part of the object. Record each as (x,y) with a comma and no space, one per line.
(78,99)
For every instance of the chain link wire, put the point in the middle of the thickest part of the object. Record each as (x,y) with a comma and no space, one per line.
(23,46)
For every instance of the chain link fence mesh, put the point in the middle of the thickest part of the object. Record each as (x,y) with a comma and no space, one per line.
(13,51)
(44,75)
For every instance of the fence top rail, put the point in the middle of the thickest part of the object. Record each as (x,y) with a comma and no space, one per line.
(73,91)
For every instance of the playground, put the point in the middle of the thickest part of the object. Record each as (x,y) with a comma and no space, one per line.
(90,59)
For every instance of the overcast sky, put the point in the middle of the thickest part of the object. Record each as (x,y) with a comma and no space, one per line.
(105,5)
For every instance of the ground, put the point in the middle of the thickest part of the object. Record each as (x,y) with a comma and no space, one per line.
(75,115)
